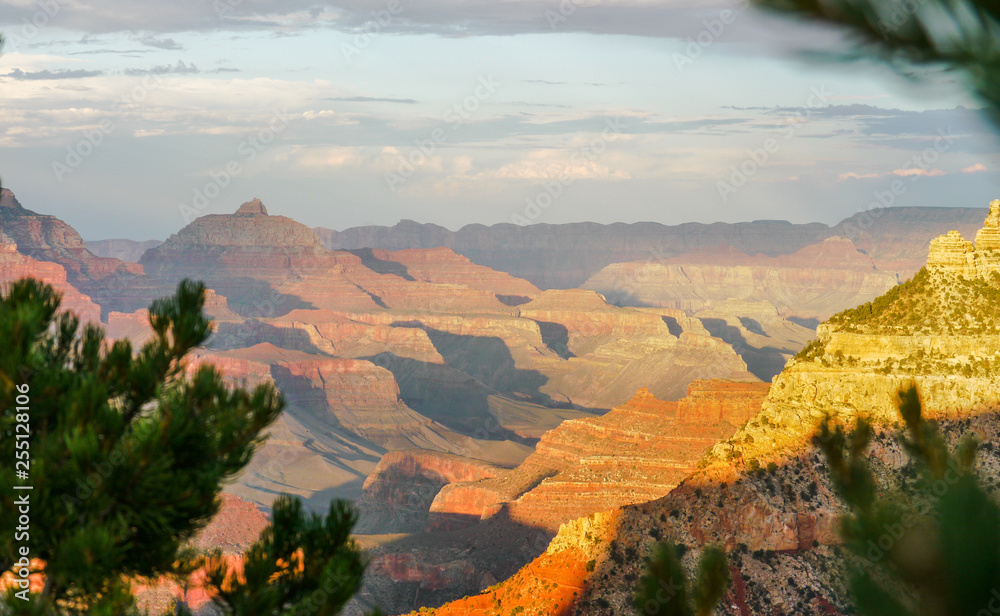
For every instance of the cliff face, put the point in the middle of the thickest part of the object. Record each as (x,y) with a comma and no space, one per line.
(442,265)
(123,250)
(564,256)
(798,285)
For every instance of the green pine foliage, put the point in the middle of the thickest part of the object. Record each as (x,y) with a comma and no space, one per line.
(931,549)
(666,591)
(128,451)
(302,564)
(958,34)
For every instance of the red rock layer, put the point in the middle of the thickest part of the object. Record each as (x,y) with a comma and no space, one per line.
(14,266)
(637,452)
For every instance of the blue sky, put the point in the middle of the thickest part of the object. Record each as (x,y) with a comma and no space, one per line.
(127,118)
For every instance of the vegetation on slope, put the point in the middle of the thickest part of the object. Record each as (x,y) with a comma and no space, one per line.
(929,303)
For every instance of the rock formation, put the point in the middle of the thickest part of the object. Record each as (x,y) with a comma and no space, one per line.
(565,256)
(397,495)
(798,285)
(637,452)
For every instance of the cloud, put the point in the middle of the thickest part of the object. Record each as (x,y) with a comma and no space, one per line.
(47,74)
(168,44)
(371,99)
(976,168)
(177,69)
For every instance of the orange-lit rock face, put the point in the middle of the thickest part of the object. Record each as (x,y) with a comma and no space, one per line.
(14,266)
(637,452)
(715,402)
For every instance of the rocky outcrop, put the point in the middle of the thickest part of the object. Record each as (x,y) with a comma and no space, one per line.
(953,254)
(244,256)
(816,281)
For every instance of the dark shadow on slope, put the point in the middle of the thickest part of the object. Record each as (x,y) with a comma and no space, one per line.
(513,300)
(764,363)
(249,297)
(488,360)
(556,337)
(463,562)
(807,323)
(380,266)
(674,327)
(300,392)
(752,326)
(446,395)
(230,336)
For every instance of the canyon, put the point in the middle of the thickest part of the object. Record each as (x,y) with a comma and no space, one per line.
(521,413)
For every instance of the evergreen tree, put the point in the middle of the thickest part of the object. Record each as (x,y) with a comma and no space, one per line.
(931,549)
(121,455)
(302,564)
(960,34)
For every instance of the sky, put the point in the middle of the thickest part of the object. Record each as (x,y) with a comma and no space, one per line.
(129,118)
